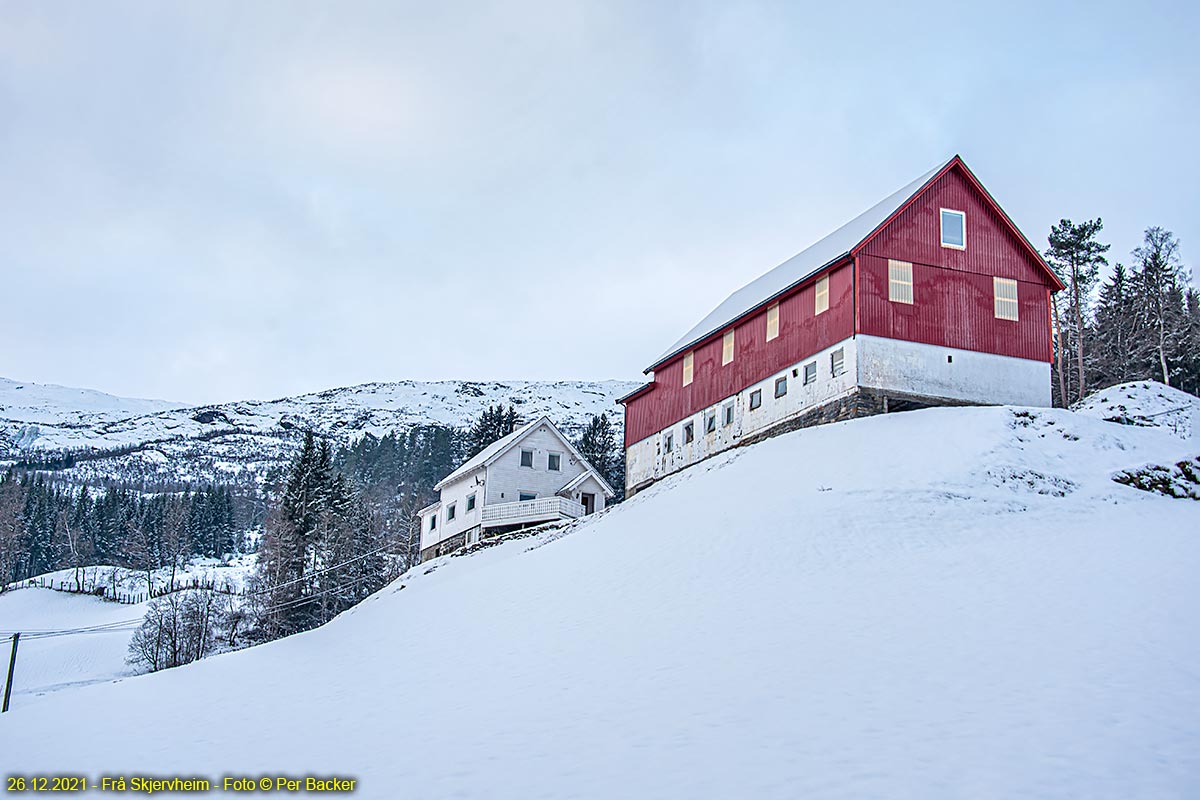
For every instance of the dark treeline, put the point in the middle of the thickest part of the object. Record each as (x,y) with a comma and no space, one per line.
(46,526)
(1141,323)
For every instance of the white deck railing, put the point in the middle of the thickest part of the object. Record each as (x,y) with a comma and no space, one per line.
(541,509)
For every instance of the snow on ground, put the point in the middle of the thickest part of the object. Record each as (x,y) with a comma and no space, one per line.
(1146,403)
(955,602)
(48,665)
(231,575)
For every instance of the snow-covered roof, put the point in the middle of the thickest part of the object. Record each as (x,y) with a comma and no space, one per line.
(799,267)
(487,454)
(589,472)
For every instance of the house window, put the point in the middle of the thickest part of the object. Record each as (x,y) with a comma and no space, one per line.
(687,369)
(433,521)
(727,348)
(837,362)
(451,510)
(470,503)
(669,442)
(900,281)
(822,296)
(755,399)
(954,229)
(810,373)
(772,321)
(781,386)
(527,458)
(554,462)
(729,414)
(1005,292)
(689,433)
(710,422)
(526,496)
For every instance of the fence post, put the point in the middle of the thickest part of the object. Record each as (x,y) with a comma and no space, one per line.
(12,667)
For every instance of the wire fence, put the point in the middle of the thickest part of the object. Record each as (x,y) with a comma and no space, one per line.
(113,594)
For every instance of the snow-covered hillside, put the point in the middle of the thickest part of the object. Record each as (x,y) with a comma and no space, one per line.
(947,603)
(1147,403)
(242,440)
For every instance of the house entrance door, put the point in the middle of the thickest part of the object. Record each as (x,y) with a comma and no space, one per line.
(589,502)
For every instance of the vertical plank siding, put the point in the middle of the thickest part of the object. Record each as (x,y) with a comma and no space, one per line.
(801,333)
(952,289)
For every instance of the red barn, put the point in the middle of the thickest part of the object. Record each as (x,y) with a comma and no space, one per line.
(931,297)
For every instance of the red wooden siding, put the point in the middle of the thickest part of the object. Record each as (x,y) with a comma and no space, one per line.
(953,301)
(801,333)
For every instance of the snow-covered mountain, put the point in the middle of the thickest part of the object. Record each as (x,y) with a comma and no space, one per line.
(955,602)
(240,441)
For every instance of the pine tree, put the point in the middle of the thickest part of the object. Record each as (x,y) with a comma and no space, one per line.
(1115,333)
(600,446)
(494,424)
(1159,300)
(1076,256)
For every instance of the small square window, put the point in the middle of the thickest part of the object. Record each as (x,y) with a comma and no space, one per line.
(527,458)
(689,433)
(669,442)
(954,229)
(772,321)
(727,348)
(687,369)
(729,414)
(450,512)
(781,386)
(710,422)
(470,502)
(554,462)
(810,373)
(755,399)
(900,281)
(525,497)
(822,297)
(837,362)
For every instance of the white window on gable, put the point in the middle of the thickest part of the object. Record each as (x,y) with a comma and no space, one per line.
(554,462)
(727,348)
(1005,293)
(451,511)
(900,281)
(772,321)
(954,229)
(527,458)
(822,296)
(687,369)
(810,373)
(837,362)
(470,503)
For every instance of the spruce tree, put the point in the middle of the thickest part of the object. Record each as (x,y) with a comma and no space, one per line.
(1076,256)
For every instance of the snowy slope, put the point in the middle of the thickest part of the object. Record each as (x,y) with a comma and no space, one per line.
(1148,403)
(243,440)
(938,604)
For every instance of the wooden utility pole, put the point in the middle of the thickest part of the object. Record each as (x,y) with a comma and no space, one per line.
(12,666)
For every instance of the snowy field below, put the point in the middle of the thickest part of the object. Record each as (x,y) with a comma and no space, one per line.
(48,664)
(937,604)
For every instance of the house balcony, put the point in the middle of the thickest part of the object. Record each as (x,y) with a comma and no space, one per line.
(527,512)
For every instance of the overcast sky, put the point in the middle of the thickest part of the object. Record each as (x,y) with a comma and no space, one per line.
(212,201)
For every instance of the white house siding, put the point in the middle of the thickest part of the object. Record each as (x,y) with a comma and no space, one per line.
(647,460)
(506,478)
(944,372)
(455,493)
(592,486)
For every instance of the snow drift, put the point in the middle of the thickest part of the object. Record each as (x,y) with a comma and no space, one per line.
(944,603)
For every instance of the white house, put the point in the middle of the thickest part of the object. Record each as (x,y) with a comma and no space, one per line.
(531,476)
